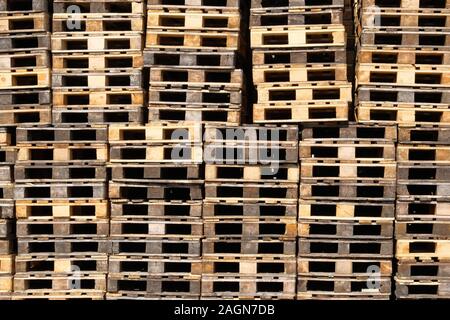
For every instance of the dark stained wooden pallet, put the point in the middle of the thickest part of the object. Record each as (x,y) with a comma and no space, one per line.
(167,247)
(247,191)
(120,7)
(7,209)
(155,172)
(37,283)
(292,17)
(69,191)
(156,209)
(194,59)
(269,154)
(208,115)
(187,96)
(349,131)
(423,134)
(154,191)
(410,289)
(181,153)
(248,209)
(62,228)
(23,7)
(47,135)
(20,42)
(327,248)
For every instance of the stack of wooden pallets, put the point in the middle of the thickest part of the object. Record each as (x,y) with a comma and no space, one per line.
(61,209)
(156,202)
(191,49)
(346,212)
(403,62)
(97,61)
(250,210)
(24,63)
(6,215)
(299,61)
(423,202)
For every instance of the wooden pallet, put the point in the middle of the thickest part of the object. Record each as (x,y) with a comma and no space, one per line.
(120,7)
(297,37)
(155,209)
(167,247)
(220,266)
(407,4)
(299,73)
(136,266)
(161,173)
(373,55)
(423,249)
(186,96)
(404,97)
(6,265)
(49,135)
(46,283)
(93,42)
(7,209)
(24,23)
(349,150)
(168,228)
(309,112)
(184,19)
(63,228)
(348,190)
(192,40)
(62,153)
(292,17)
(75,80)
(34,78)
(6,228)
(423,153)
(323,267)
(251,191)
(363,229)
(430,190)
(143,296)
(280,57)
(402,75)
(379,113)
(87,62)
(23,7)
(28,264)
(97,115)
(422,209)
(327,90)
(195,59)
(423,229)
(284,135)
(69,191)
(411,38)
(49,246)
(251,228)
(392,18)
(58,295)
(24,60)
(25,116)
(257,5)
(6,246)
(346,288)
(208,115)
(314,170)
(272,247)
(198,4)
(248,173)
(114,97)
(410,289)
(157,133)
(167,286)
(423,134)
(6,190)
(262,153)
(265,287)
(154,191)
(24,98)
(248,209)
(101,23)
(414,173)
(25,42)
(197,78)
(56,209)
(422,270)
(168,153)
(329,248)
